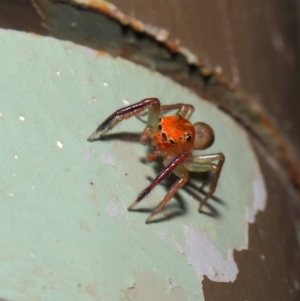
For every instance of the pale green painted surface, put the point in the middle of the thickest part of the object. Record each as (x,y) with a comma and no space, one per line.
(62,238)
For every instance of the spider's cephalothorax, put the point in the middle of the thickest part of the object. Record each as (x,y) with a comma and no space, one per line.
(174,134)
(173,138)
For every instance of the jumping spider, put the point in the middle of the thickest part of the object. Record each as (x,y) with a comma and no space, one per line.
(173,138)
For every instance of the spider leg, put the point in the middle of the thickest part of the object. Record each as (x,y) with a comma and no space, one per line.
(184,110)
(164,173)
(175,187)
(204,163)
(152,104)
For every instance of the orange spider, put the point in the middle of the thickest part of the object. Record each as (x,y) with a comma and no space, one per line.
(174,138)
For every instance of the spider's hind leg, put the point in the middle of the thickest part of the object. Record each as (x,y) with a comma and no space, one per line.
(204,163)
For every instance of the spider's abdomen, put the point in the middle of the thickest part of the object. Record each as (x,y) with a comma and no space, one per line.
(175,134)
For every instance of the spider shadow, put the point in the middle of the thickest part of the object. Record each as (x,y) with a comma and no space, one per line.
(194,189)
(174,209)
(191,188)
(135,138)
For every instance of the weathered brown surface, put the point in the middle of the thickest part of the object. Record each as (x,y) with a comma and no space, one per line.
(20,15)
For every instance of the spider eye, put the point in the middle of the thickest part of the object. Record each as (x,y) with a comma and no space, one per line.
(164,137)
(187,136)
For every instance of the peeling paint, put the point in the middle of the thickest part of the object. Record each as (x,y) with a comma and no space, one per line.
(112,209)
(162,234)
(88,154)
(172,284)
(204,257)
(59,144)
(260,198)
(150,286)
(126,102)
(107,159)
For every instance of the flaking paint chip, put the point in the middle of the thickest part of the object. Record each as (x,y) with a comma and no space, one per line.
(126,102)
(59,144)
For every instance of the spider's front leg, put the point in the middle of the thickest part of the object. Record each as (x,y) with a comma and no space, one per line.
(183,109)
(152,104)
(163,174)
(204,163)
